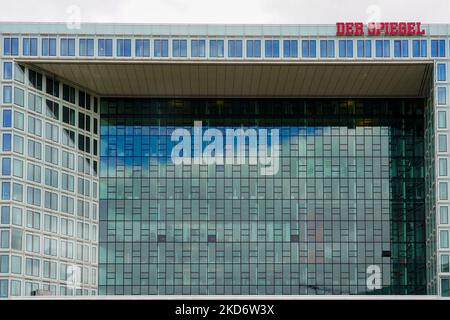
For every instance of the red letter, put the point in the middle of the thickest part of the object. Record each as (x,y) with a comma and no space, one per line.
(340,29)
(419,31)
(394,28)
(371,28)
(411,28)
(402,28)
(349,29)
(359,28)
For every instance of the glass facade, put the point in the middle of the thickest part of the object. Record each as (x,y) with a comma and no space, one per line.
(347,196)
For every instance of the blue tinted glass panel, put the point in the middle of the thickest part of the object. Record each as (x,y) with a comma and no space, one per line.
(124,47)
(7,94)
(235,48)
(161,48)
(198,48)
(49,47)
(11,46)
(105,47)
(441,72)
(7,70)
(7,118)
(216,48)
(6,166)
(142,48)
(272,48)
(6,190)
(6,142)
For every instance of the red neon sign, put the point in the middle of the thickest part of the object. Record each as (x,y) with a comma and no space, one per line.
(379,28)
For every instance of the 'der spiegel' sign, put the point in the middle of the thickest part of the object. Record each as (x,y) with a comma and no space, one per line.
(379,28)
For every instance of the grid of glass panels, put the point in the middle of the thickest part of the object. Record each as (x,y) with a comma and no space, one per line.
(349,193)
(49,181)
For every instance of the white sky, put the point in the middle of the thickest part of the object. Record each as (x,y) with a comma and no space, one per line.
(225,11)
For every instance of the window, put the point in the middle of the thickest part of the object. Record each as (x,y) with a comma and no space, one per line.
(49,270)
(105,47)
(33,173)
(161,48)
(3,288)
(443,191)
(443,215)
(67,47)
(309,48)
(52,86)
(7,118)
(5,217)
(216,48)
(29,46)
(52,110)
(443,239)
(7,70)
(4,239)
(445,263)
(442,119)
(438,48)
(272,49)
(69,93)
(67,227)
(253,48)
(401,48)
(11,46)
(18,120)
(142,48)
(51,132)
(51,178)
(32,243)
(34,103)
(345,48)
(51,200)
(4,264)
(441,95)
(327,48)
(382,48)
(84,100)
(67,204)
(50,247)
(18,96)
(35,79)
(18,168)
(198,49)
(18,144)
(7,94)
(179,48)
(17,192)
(34,196)
(364,48)
(419,48)
(16,216)
(445,287)
(16,264)
(68,138)
(19,73)
(34,126)
(234,48)
(6,141)
(50,223)
(17,239)
(124,47)
(6,166)
(32,267)
(68,116)
(442,143)
(33,220)
(86,47)
(35,149)
(68,160)
(51,155)
(67,249)
(443,167)
(6,191)
(440,72)
(67,182)
(49,47)
(290,48)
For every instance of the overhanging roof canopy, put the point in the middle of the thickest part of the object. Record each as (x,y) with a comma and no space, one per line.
(244,79)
